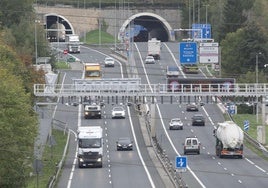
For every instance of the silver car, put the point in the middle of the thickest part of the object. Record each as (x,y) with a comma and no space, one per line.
(149,59)
(175,124)
(118,112)
(109,62)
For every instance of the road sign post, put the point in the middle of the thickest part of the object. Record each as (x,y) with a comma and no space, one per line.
(181,163)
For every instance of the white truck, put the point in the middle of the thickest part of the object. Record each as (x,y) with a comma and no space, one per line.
(154,48)
(72,43)
(90,146)
(229,140)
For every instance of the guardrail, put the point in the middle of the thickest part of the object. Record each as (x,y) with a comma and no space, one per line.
(169,167)
(63,126)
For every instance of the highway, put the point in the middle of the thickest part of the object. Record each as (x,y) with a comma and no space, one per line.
(123,169)
(120,168)
(206,169)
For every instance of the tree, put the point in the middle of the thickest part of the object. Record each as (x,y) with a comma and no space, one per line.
(239,51)
(12,12)
(234,16)
(18,130)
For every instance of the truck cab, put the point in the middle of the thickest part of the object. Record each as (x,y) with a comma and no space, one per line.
(90,146)
(92,71)
(92,111)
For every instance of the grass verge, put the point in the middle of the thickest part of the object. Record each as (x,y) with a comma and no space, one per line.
(51,157)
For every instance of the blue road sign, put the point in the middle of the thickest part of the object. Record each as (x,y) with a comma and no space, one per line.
(181,162)
(201,31)
(246,125)
(231,109)
(188,52)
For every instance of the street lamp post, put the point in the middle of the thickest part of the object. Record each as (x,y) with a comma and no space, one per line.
(257,81)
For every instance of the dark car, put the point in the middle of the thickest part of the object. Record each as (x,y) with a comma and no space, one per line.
(198,119)
(192,107)
(124,144)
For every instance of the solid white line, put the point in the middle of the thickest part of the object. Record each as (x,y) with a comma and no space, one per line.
(260,168)
(163,125)
(138,150)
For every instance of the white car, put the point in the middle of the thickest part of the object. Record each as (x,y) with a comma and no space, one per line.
(109,62)
(118,112)
(175,123)
(149,59)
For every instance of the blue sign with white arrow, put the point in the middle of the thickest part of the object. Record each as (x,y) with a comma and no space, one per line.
(181,162)
(246,125)
(188,52)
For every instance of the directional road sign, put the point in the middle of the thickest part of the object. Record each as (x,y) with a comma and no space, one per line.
(231,109)
(188,52)
(201,31)
(246,125)
(181,162)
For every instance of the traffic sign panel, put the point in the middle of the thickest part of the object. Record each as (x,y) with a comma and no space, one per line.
(188,52)
(201,31)
(246,125)
(209,52)
(181,162)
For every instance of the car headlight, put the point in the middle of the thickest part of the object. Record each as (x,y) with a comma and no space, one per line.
(99,159)
(119,145)
(81,159)
(86,113)
(129,145)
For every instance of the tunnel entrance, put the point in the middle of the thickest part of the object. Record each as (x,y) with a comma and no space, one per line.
(145,26)
(57,27)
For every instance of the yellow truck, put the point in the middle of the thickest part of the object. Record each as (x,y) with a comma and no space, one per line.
(92,71)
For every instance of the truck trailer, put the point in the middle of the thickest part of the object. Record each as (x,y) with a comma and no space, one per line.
(229,140)
(72,43)
(154,48)
(90,146)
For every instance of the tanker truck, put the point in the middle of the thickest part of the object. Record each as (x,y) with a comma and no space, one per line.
(229,140)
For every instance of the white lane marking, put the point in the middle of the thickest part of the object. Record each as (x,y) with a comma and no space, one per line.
(249,161)
(163,125)
(138,150)
(260,168)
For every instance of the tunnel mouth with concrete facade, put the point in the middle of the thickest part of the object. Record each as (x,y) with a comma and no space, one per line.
(145,26)
(140,27)
(57,27)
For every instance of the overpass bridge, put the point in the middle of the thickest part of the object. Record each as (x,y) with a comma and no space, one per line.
(118,21)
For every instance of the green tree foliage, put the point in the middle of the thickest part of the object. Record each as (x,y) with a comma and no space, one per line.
(12,12)
(239,51)
(234,15)
(18,130)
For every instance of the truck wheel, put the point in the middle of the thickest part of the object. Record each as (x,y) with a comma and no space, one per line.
(80,165)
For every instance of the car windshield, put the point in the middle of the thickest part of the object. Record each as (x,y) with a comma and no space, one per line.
(124,140)
(175,120)
(173,69)
(90,143)
(118,109)
(199,116)
(109,59)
